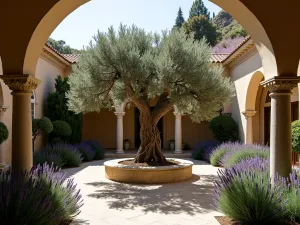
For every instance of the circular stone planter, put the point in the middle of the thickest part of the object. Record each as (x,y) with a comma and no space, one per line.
(148,174)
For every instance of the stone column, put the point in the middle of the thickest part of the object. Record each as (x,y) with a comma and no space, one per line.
(120,140)
(22,87)
(280,139)
(178,133)
(2,111)
(249,131)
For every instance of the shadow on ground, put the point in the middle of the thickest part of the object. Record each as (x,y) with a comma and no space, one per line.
(192,197)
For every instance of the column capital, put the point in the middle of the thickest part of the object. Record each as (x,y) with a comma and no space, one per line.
(281,84)
(120,114)
(249,113)
(21,83)
(177,115)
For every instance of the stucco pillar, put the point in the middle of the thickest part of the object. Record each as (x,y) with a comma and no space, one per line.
(2,111)
(22,87)
(120,148)
(249,130)
(280,139)
(178,133)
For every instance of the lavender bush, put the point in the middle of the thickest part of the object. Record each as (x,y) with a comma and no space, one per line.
(99,149)
(87,152)
(216,156)
(70,155)
(42,157)
(40,197)
(251,150)
(203,150)
(291,192)
(244,193)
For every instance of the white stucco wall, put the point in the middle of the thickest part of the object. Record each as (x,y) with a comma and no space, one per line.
(241,76)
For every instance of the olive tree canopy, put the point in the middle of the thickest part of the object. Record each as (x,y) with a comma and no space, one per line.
(137,66)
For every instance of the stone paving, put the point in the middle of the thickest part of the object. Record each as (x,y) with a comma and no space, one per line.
(110,203)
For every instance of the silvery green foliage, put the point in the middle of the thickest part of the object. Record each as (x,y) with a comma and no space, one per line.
(151,64)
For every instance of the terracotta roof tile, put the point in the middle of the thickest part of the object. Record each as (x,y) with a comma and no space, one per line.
(218,58)
(73,58)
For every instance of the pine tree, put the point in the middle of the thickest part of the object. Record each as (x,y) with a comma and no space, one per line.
(137,66)
(198,8)
(179,20)
(214,15)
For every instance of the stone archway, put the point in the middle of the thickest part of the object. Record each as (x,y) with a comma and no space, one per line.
(252,112)
(24,34)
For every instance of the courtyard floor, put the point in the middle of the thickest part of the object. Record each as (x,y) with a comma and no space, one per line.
(107,202)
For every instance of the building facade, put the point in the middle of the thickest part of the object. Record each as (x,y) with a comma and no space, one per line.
(250,107)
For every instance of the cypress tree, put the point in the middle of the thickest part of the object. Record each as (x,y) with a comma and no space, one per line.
(180,19)
(198,8)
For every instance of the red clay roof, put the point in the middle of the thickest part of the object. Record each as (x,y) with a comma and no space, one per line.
(218,58)
(73,58)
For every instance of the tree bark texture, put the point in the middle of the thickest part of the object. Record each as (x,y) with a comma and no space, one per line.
(150,149)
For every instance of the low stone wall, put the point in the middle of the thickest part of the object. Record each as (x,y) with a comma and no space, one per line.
(148,175)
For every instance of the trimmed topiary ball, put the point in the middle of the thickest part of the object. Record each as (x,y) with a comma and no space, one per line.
(62,130)
(69,154)
(3,132)
(87,152)
(99,149)
(41,197)
(224,128)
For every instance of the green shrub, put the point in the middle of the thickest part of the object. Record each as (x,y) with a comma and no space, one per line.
(99,149)
(3,132)
(68,153)
(42,157)
(216,156)
(296,136)
(224,128)
(237,157)
(61,130)
(87,152)
(40,127)
(58,109)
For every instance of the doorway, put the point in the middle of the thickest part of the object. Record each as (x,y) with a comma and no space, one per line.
(137,128)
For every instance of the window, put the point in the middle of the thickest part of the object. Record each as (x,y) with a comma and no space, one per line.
(33,105)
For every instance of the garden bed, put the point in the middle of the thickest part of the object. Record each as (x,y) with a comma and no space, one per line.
(126,171)
(223,220)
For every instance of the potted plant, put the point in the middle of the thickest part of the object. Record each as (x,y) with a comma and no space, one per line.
(172,145)
(126,144)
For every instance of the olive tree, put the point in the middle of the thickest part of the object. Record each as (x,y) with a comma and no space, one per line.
(137,66)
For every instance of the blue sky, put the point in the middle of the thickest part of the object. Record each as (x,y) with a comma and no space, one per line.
(155,15)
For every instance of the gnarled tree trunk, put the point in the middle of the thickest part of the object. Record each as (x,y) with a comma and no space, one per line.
(150,149)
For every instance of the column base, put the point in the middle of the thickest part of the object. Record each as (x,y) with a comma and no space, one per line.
(120,151)
(178,151)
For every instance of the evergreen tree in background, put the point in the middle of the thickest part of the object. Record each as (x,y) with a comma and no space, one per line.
(198,8)
(202,27)
(179,20)
(58,109)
